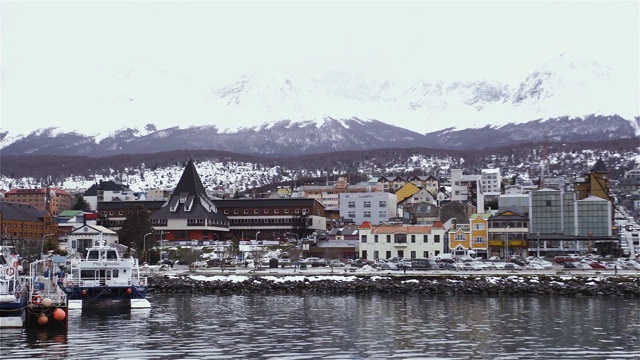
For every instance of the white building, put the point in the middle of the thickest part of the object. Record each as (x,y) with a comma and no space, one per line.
(410,241)
(462,184)
(491,182)
(375,207)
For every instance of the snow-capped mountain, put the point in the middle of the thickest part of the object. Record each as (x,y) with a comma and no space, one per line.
(281,113)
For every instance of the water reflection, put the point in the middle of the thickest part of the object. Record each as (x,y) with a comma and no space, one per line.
(354,327)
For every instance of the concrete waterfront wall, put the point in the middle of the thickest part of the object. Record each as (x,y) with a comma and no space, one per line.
(531,285)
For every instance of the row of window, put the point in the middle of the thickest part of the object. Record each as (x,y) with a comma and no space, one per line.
(400,254)
(367,214)
(266,211)
(401,238)
(367,204)
(24,226)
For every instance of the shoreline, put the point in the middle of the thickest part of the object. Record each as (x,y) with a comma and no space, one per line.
(495,284)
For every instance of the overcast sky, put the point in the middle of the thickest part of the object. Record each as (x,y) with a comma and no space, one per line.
(63,63)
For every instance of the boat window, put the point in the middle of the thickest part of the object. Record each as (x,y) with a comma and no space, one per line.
(115,273)
(87,274)
(111,255)
(93,255)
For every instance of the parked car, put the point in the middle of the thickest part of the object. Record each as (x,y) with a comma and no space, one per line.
(519,261)
(336,263)
(494,258)
(309,260)
(632,265)
(447,266)
(499,265)
(546,265)
(570,265)
(472,265)
(534,266)
(597,265)
(512,266)
(387,266)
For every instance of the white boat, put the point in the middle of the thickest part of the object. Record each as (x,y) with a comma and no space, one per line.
(13,292)
(104,277)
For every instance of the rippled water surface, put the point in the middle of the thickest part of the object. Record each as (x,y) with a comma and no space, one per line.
(344,327)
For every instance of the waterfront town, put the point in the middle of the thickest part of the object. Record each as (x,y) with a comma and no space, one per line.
(386,219)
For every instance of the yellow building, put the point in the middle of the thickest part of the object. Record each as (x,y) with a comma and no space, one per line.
(472,239)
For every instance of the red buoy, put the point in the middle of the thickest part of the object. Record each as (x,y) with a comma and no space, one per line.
(84,292)
(129,291)
(59,314)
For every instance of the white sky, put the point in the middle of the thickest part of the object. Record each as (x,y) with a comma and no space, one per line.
(79,65)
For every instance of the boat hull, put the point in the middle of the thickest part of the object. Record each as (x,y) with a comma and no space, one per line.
(102,296)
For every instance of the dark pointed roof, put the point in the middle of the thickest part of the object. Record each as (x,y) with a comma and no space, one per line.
(600,167)
(189,199)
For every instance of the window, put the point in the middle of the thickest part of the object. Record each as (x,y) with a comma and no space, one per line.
(425,254)
(367,214)
(400,238)
(276,211)
(351,204)
(246,211)
(478,240)
(297,211)
(367,204)
(363,239)
(388,254)
(255,211)
(413,254)
(436,238)
(352,214)
(425,238)
(460,237)
(388,238)
(266,211)
(382,214)
(375,238)
(286,211)
(226,212)
(413,239)
(478,226)
(235,211)
(383,203)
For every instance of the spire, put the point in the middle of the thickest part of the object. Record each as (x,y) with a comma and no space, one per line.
(190,182)
(600,167)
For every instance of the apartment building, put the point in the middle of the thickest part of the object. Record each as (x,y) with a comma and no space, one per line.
(375,208)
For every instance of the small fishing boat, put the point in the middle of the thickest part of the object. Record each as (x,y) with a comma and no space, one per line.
(13,292)
(47,306)
(104,277)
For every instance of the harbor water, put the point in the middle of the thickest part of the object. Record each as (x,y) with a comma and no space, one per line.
(371,326)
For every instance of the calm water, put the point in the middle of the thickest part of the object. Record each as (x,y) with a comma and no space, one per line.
(345,327)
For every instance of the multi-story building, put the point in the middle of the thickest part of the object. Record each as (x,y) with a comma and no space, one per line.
(26,226)
(411,241)
(375,208)
(563,224)
(52,199)
(509,232)
(329,195)
(630,182)
(189,215)
(429,183)
(108,191)
(467,188)
(471,240)
(272,218)
(491,182)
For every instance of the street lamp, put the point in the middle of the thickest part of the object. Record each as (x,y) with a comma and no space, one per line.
(144,247)
(538,245)
(42,245)
(257,235)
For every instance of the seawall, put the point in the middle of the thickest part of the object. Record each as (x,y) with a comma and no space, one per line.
(489,285)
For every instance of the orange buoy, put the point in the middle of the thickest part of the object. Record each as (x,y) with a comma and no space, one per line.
(43,319)
(59,314)
(84,292)
(129,291)
(47,302)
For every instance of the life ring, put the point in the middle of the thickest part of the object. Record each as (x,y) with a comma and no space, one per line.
(141,282)
(69,283)
(36,299)
(10,271)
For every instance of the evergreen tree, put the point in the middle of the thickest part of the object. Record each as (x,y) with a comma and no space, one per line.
(81,204)
(134,227)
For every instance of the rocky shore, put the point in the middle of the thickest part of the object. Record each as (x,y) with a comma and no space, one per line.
(490,285)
